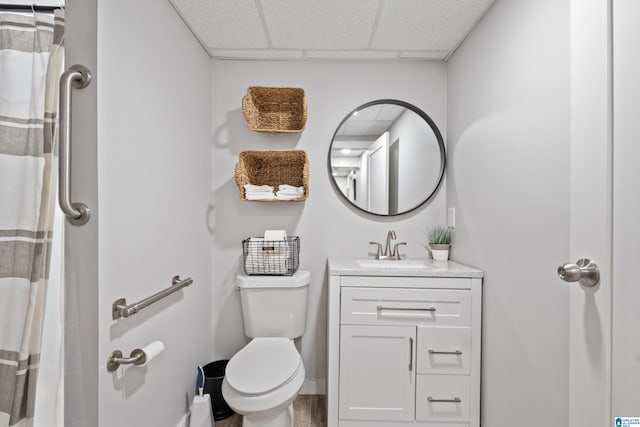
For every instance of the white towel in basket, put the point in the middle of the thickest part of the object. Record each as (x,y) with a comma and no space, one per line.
(266,256)
(289,192)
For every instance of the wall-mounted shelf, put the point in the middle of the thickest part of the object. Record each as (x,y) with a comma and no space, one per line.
(273,167)
(275,109)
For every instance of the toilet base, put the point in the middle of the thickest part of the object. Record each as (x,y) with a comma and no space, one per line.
(282,418)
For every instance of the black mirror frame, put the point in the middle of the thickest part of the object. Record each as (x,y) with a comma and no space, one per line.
(434,128)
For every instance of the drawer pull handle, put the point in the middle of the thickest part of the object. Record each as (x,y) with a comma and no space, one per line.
(410,353)
(381,307)
(457,352)
(454,400)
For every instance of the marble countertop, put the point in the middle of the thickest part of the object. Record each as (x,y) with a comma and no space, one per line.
(345,266)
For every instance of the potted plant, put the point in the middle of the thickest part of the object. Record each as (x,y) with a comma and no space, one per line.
(439,242)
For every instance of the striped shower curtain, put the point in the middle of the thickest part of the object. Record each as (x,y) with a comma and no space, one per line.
(31,57)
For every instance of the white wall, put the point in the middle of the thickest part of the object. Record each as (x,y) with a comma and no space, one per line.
(326,226)
(508,178)
(154,169)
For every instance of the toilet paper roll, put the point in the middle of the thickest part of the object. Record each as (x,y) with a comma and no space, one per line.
(201,412)
(152,350)
(275,235)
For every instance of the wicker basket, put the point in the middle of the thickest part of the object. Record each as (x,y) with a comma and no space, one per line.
(275,109)
(273,167)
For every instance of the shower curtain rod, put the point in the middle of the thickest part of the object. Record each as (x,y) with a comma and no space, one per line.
(28,8)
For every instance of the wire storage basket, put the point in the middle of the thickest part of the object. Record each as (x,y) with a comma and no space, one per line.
(271,257)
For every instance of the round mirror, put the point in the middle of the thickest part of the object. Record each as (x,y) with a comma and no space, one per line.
(387,157)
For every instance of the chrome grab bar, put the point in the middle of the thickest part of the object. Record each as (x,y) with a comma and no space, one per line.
(454,400)
(121,309)
(381,307)
(457,352)
(79,77)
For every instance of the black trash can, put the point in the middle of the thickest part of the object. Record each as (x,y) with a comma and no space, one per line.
(213,376)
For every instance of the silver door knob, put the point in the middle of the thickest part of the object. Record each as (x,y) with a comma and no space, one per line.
(584,271)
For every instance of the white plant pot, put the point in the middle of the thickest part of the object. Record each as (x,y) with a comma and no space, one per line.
(440,252)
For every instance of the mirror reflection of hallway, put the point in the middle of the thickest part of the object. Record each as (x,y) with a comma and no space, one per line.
(370,170)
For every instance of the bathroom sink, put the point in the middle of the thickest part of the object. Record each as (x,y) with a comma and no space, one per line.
(404,264)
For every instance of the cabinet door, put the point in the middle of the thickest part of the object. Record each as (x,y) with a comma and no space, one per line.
(377,372)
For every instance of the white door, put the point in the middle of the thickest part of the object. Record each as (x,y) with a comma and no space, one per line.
(377,373)
(626,209)
(590,213)
(378,180)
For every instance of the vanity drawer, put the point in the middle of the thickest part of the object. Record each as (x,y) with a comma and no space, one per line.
(442,398)
(392,306)
(406,282)
(443,350)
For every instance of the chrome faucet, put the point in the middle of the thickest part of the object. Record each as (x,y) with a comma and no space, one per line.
(391,235)
(388,253)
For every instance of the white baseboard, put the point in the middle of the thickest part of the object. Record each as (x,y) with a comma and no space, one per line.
(314,386)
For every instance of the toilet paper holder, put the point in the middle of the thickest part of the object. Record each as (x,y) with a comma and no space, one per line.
(138,357)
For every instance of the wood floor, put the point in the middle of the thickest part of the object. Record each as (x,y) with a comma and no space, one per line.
(309,411)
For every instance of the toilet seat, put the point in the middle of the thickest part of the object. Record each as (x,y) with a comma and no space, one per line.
(263,365)
(265,404)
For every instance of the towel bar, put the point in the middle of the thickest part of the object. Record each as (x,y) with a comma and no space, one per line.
(121,309)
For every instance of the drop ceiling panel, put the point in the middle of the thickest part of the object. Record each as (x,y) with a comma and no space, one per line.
(331,29)
(427,24)
(224,24)
(320,24)
(365,127)
(389,112)
(366,114)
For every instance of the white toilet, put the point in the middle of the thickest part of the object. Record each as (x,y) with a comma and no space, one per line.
(263,379)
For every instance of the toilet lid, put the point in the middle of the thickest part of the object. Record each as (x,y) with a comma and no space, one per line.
(263,365)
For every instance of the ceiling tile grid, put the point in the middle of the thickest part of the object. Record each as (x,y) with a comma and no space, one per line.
(331,29)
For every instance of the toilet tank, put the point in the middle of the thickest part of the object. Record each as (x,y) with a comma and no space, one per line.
(274,306)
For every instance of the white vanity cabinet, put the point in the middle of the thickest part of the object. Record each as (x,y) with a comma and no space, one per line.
(403,345)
